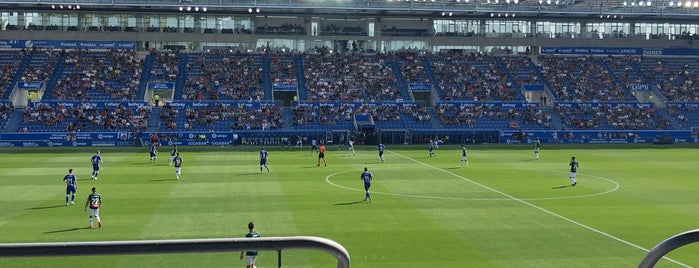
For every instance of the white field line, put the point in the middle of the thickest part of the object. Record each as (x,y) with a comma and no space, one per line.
(539,208)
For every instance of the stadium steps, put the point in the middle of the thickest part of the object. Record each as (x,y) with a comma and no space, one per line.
(13,121)
(434,121)
(510,78)
(154,120)
(400,81)
(287,117)
(18,73)
(55,76)
(433,81)
(267,79)
(145,76)
(674,124)
(183,59)
(615,79)
(300,78)
(556,122)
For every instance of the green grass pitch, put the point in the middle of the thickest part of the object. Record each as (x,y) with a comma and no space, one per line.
(505,210)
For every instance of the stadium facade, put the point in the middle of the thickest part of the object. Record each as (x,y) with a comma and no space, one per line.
(458,71)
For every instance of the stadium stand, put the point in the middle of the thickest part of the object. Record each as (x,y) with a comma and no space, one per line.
(223,75)
(98,75)
(6,110)
(350,77)
(677,77)
(685,113)
(581,79)
(633,116)
(10,61)
(471,77)
(495,115)
(220,116)
(337,81)
(58,116)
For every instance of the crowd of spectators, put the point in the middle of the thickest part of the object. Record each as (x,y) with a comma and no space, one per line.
(473,114)
(9,61)
(412,68)
(99,75)
(350,77)
(330,114)
(616,116)
(224,75)
(164,65)
(686,114)
(678,79)
(222,117)
(623,67)
(285,28)
(42,64)
(537,116)
(522,69)
(471,76)
(282,69)
(6,109)
(84,117)
(581,79)
(323,114)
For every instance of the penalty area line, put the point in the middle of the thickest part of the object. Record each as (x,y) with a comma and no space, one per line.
(538,208)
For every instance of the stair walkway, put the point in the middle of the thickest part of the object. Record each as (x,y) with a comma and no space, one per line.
(556,122)
(300,78)
(154,120)
(13,122)
(673,122)
(287,118)
(18,73)
(434,121)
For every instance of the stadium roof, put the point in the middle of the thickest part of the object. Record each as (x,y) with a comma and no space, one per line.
(675,9)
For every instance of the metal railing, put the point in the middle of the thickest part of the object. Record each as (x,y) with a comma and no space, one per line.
(178,246)
(670,244)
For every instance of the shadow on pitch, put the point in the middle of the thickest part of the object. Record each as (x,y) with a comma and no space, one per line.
(561,187)
(350,203)
(64,230)
(163,180)
(142,163)
(46,207)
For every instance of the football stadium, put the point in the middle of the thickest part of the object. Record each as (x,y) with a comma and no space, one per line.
(349,133)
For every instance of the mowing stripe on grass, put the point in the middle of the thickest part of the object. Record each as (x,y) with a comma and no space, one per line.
(537,207)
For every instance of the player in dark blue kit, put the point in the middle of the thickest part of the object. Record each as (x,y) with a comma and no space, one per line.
(366,178)
(381,148)
(263,159)
(71,186)
(314,146)
(431,149)
(153,150)
(96,162)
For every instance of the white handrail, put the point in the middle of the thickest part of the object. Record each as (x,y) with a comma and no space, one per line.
(177,246)
(670,244)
